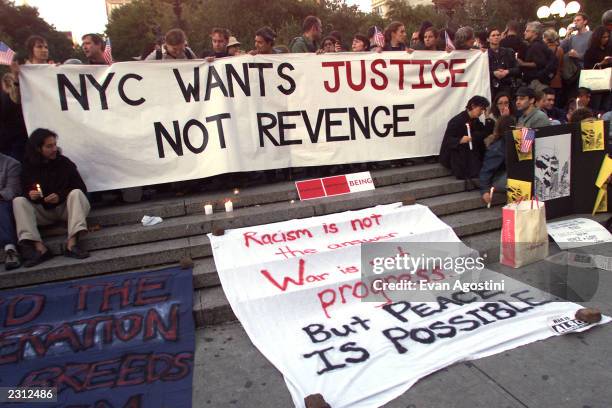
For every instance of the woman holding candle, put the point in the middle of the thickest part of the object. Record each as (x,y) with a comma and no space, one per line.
(53,191)
(462,147)
(493,175)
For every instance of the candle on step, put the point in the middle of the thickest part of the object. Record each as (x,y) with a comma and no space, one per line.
(236,191)
(208,209)
(491,191)
(229,206)
(467,125)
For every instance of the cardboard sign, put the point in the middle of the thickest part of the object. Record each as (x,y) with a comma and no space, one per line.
(335,185)
(578,232)
(122,341)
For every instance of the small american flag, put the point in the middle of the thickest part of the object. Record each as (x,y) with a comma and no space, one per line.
(527,137)
(379,37)
(108,52)
(6,54)
(449,42)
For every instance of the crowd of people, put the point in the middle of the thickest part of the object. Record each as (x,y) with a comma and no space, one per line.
(533,77)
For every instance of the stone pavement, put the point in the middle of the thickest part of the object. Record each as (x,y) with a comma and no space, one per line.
(573,370)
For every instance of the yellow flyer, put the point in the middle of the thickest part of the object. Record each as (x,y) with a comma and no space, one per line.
(516,133)
(517,189)
(604,172)
(592,135)
(601,203)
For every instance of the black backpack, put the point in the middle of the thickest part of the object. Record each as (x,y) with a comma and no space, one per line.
(550,70)
(159,54)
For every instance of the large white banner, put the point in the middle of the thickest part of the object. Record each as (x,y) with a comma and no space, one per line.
(139,123)
(296,288)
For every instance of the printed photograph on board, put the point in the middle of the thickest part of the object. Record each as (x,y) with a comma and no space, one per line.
(552,167)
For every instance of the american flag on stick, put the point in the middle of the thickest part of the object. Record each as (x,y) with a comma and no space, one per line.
(527,137)
(6,54)
(108,52)
(449,42)
(379,37)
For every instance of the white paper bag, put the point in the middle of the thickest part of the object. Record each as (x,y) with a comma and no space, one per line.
(524,237)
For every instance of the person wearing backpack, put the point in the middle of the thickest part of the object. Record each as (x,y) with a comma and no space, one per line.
(551,39)
(174,48)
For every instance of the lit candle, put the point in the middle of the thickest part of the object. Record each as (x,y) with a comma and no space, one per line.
(490,197)
(236,191)
(467,125)
(577,103)
(208,209)
(229,207)
(292,201)
(39,189)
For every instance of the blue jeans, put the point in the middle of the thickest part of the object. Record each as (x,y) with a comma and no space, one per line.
(7,224)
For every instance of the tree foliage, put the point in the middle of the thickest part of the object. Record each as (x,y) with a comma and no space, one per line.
(18,23)
(412,17)
(131,27)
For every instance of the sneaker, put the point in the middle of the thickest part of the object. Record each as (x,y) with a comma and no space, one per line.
(38,258)
(76,252)
(12,260)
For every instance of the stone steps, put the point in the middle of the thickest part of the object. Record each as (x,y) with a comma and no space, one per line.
(251,196)
(123,244)
(181,237)
(213,308)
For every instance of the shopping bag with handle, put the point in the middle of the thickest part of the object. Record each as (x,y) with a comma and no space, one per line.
(524,237)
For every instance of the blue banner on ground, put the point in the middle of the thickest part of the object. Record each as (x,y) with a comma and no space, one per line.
(122,341)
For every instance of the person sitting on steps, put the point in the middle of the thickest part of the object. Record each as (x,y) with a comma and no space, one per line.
(53,190)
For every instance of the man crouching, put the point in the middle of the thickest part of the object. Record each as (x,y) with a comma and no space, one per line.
(53,191)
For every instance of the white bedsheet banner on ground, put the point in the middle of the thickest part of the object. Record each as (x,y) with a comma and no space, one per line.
(139,123)
(294,286)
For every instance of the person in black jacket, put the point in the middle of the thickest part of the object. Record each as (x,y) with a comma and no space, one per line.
(53,190)
(539,60)
(511,39)
(502,65)
(460,152)
(13,133)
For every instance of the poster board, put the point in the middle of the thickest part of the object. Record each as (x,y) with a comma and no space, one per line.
(583,168)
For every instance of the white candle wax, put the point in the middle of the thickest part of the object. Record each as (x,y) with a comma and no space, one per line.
(229,207)
(208,209)
(467,125)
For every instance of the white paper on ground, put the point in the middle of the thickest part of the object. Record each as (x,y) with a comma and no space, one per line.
(578,232)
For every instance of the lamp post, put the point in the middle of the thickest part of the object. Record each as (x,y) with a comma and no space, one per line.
(449,7)
(559,12)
